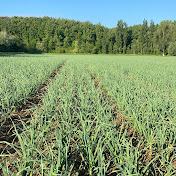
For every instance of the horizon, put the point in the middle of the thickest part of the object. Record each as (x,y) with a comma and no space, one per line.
(103,12)
(88,20)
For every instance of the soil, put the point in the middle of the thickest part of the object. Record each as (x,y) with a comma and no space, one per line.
(23,113)
(147,155)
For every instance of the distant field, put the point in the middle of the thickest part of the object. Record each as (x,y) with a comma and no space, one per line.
(95,115)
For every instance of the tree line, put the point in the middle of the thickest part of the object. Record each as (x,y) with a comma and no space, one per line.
(46,34)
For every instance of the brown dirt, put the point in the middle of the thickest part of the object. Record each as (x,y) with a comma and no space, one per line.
(22,113)
(131,133)
(121,122)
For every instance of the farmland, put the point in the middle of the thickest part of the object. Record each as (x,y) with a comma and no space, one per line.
(95,115)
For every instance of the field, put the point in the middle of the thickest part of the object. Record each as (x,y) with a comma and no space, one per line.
(87,115)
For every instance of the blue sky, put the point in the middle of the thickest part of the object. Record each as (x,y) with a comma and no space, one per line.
(107,12)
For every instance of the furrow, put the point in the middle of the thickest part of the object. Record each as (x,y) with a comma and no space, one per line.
(122,122)
(23,114)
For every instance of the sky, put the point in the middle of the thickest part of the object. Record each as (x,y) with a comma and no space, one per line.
(106,12)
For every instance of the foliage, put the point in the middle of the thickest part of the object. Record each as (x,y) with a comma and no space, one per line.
(172,49)
(76,132)
(164,35)
(20,76)
(32,34)
(7,42)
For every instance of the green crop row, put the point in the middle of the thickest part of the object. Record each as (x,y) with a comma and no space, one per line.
(144,89)
(75,132)
(21,77)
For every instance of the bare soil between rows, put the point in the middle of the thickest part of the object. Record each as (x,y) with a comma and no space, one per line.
(137,140)
(23,113)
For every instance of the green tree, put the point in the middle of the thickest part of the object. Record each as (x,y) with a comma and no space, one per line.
(7,41)
(119,37)
(39,46)
(125,37)
(163,36)
(111,38)
(152,29)
(32,45)
(172,49)
(76,46)
(61,35)
(143,37)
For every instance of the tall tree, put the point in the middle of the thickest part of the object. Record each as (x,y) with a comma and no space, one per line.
(125,37)
(152,29)
(143,37)
(164,35)
(119,36)
(7,42)
(61,35)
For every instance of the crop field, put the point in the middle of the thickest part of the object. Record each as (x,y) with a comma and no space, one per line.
(87,115)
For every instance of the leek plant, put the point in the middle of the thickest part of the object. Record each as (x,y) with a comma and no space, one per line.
(75,132)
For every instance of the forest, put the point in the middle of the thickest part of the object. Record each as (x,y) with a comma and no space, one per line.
(55,35)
